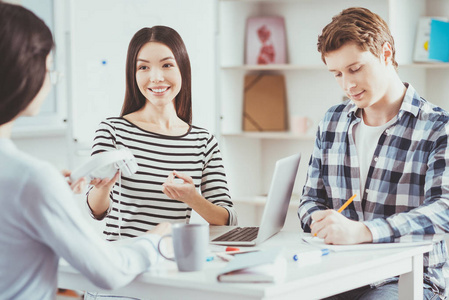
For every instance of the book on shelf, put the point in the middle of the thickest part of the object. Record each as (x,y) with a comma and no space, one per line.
(265,41)
(432,40)
(267,266)
(439,41)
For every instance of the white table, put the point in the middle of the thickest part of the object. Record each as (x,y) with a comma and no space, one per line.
(335,273)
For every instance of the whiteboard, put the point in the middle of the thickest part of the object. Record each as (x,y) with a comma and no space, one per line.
(100,33)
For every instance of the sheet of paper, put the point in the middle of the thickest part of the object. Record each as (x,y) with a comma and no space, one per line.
(315,241)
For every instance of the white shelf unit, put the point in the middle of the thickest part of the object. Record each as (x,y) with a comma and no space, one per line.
(310,89)
(273,67)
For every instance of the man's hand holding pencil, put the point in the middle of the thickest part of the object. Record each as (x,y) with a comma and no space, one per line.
(335,228)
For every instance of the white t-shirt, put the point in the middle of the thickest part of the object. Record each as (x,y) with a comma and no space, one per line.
(41,222)
(366,139)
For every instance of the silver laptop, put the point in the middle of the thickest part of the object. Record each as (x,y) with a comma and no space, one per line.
(275,210)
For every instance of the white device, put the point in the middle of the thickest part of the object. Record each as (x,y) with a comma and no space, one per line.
(105,165)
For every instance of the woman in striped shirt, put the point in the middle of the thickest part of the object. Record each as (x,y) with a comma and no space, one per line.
(155,124)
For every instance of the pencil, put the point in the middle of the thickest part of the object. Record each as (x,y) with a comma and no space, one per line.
(346,203)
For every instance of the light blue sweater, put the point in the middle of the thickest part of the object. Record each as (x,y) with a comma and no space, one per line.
(41,222)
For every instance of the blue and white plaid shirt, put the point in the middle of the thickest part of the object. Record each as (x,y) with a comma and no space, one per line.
(407,188)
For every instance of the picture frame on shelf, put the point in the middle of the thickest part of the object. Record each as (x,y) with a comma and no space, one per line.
(265,41)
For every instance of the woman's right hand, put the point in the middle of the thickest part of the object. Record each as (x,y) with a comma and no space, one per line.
(105,183)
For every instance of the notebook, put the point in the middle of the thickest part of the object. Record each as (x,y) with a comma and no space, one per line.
(275,210)
(262,266)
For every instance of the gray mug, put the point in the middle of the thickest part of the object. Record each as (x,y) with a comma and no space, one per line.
(190,244)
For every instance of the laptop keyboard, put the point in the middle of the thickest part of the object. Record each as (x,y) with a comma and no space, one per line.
(239,234)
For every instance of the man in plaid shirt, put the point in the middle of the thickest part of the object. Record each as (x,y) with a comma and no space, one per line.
(387,145)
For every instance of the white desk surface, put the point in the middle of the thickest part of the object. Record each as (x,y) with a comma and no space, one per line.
(335,273)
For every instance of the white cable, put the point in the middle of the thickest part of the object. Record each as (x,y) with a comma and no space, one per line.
(119,204)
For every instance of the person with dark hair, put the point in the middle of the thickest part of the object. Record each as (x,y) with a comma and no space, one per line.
(386,144)
(180,165)
(41,220)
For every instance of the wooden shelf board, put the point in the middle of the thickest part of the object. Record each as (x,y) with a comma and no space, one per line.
(288,67)
(274,67)
(426,65)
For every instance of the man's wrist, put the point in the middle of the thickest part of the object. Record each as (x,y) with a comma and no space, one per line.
(366,235)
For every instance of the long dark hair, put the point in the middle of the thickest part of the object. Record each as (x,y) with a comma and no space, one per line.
(25,42)
(134,100)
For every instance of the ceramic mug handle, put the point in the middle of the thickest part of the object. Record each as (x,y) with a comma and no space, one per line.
(159,247)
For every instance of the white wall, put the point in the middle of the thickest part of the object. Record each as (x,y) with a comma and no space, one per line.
(100,34)
(91,41)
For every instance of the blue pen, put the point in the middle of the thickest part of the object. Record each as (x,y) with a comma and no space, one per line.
(209,258)
(314,254)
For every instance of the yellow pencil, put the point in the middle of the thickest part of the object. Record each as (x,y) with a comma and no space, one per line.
(346,203)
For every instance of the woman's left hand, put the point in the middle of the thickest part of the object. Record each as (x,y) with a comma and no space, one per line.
(182,191)
(77,186)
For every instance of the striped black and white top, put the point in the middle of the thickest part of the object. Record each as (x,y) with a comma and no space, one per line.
(139,198)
